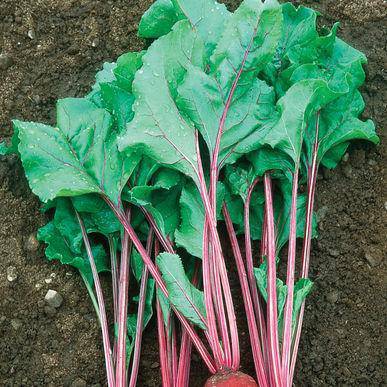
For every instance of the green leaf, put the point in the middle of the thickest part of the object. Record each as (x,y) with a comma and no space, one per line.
(296,107)
(59,248)
(168,138)
(190,233)
(137,265)
(182,294)
(208,17)
(127,66)
(248,43)
(165,306)
(119,103)
(260,274)
(158,20)
(161,204)
(302,288)
(79,156)
(106,75)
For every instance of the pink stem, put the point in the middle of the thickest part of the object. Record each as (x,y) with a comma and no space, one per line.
(252,324)
(210,213)
(140,317)
(123,309)
(288,314)
(174,352)
(312,179)
(218,256)
(272,318)
(101,305)
(159,281)
(250,269)
(163,352)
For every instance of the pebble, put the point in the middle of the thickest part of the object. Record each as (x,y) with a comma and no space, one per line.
(347,171)
(32,244)
(11,274)
(372,162)
(31,33)
(38,286)
(5,61)
(16,323)
(333,296)
(334,253)
(48,280)
(53,298)
(78,383)
(95,42)
(374,258)
(346,157)
(385,205)
(155,365)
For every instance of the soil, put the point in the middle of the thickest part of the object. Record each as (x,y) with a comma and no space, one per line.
(54,49)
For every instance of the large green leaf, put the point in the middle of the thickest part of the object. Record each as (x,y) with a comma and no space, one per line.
(78,156)
(60,247)
(158,129)
(182,294)
(158,20)
(296,108)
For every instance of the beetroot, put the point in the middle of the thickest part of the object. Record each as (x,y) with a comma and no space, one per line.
(231,379)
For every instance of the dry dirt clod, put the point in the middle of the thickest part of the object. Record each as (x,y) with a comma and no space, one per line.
(5,61)
(32,244)
(53,298)
(373,257)
(11,274)
(16,324)
(333,296)
(78,383)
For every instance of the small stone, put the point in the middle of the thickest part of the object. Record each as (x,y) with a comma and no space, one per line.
(48,280)
(346,158)
(69,274)
(2,319)
(322,213)
(155,365)
(31,33)
(95,42)
(16,323)
(385,206)
(374,257)
(334,253)
(11,274)
(318,365)
(347,171)
(53,275)
(49,311)
(372,162)
(5,61)
(333,296)
(78,383)
(32,244)
(53,298)
(38,286)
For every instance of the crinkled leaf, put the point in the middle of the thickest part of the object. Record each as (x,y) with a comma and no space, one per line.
(59,248)
(182,294)
(79,156)
(158,20)
(127,66)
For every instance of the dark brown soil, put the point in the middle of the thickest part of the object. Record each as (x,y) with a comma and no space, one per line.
(55,48)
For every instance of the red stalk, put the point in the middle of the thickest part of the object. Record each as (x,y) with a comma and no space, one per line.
(159,281)
(101,305)
(123,309)
(272,318)
(250,270)
(140,317)
(312,179)
(287,334)
(163,352)
(251,319)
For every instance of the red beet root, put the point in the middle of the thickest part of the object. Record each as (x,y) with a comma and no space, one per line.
(231,379)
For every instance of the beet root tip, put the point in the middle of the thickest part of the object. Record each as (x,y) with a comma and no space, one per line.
(231,379)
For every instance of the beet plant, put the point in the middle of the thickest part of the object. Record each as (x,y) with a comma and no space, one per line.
(221,124)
